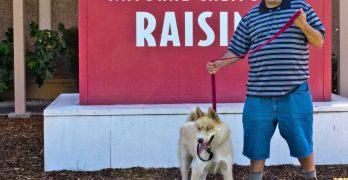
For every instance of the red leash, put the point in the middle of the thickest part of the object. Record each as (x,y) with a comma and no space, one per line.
(246,55)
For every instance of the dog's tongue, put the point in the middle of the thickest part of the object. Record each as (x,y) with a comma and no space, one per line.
(202,147)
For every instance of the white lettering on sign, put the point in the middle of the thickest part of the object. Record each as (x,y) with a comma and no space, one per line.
(202,21)
(145,33)
(188,29)
(170,32)
(223,28)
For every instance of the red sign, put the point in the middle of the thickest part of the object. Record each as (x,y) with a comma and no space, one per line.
(155,51)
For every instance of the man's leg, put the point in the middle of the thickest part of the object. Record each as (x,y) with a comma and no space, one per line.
(296,127)
(259,124)
(307,163)
(257,165)
(256,171)
(308,166)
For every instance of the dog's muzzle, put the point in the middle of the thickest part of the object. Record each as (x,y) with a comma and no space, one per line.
(205,146)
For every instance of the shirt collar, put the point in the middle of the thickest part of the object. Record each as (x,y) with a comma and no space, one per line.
(286,4)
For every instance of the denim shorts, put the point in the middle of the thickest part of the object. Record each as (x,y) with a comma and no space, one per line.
(292,113)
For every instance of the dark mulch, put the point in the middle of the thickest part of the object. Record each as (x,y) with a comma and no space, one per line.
(21,157)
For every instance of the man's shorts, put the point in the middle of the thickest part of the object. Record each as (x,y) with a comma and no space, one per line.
(293,114)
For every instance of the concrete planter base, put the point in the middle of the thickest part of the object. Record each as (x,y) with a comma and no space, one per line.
(91,138)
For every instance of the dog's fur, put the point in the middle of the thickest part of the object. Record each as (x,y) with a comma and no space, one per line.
(202,125)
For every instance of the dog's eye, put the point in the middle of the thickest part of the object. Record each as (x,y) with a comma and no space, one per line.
(199,128)
(208,128)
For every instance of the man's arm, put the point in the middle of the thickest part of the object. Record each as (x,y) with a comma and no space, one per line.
(214,67)
(239,45)
(314,36)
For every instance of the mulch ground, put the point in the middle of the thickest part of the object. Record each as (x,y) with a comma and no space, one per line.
(21,157)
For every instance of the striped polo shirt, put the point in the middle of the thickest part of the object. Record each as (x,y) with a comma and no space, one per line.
(279,67)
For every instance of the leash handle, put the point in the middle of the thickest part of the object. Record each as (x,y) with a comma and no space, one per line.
(246,55)
(284,28)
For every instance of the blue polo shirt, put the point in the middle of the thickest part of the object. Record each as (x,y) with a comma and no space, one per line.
(279,67)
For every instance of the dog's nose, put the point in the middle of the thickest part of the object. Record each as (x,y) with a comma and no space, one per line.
(200,140)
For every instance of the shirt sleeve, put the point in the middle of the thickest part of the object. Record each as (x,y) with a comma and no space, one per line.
(240,42)
(313,19)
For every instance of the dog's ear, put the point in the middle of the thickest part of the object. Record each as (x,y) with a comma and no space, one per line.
(199,112)
(195,115)
(212,114)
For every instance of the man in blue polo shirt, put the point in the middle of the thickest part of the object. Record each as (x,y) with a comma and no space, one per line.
(277,89)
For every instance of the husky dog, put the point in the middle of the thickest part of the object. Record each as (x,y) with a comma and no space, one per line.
(205,140)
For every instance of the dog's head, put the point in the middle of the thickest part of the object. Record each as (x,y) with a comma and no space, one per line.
(206,124)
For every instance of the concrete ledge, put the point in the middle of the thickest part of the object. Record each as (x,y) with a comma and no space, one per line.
(68,105)
(337,104)
(120,136)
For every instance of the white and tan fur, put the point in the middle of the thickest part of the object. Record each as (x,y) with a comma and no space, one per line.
(202,125)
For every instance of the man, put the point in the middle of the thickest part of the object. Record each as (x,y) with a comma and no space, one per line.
(277,89)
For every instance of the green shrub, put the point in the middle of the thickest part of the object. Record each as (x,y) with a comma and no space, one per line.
(6,61)
(48,45)
(70,37)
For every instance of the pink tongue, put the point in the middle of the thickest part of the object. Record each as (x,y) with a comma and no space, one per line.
(201,147)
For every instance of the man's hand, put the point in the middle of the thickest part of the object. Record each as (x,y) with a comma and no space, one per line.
(313,36)
(214,67)
(301,21)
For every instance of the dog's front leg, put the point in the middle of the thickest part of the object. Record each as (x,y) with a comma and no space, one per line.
(228,172)
(185,162)
(198,173)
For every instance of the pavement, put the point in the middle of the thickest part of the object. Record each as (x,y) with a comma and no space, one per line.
(34,107)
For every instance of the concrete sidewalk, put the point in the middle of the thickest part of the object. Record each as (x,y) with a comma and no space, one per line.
(34,107)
